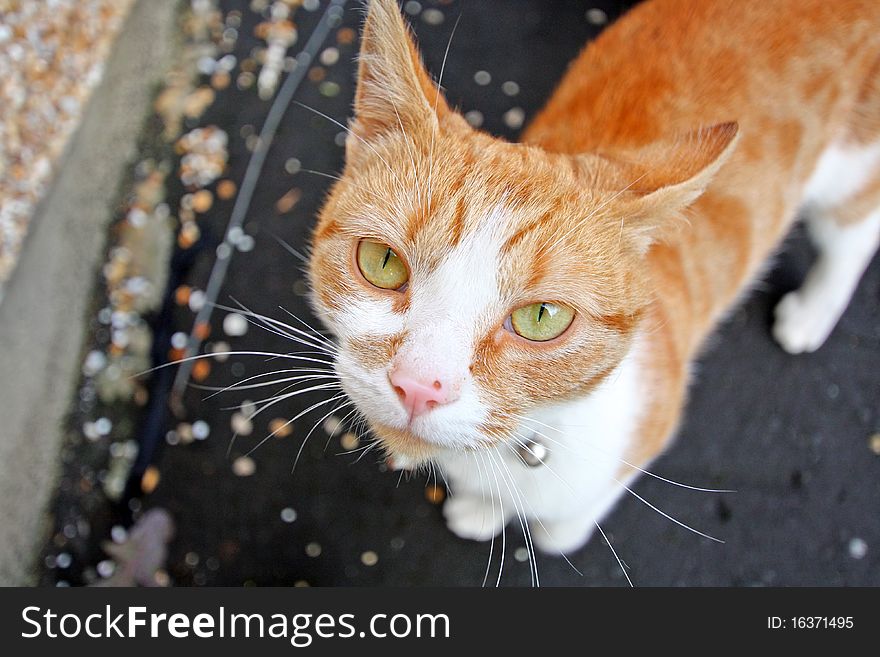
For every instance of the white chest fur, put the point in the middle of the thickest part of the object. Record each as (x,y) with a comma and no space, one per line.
(577,484)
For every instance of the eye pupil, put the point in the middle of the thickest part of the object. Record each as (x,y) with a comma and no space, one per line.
(388,254)
(541,311)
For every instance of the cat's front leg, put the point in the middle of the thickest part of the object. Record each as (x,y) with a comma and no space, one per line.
(475,517)
(474,509)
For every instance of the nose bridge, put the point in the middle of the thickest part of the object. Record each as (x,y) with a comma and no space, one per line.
(434,351)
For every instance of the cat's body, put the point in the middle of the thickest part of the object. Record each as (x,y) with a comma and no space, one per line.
(635,201)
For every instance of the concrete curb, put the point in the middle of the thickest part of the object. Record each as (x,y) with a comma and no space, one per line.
(42,316)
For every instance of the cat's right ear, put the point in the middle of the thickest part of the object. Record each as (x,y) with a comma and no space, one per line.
(655,183)
(394,91)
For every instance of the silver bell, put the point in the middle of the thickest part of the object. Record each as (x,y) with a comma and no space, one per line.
(533,453)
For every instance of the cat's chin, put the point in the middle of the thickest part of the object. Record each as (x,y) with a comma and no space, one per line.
(406,451)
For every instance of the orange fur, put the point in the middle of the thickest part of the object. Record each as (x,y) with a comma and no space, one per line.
(633,197)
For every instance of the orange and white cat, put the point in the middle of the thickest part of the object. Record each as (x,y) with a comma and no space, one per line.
(549,296)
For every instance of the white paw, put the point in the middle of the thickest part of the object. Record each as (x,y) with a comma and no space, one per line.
(472,518)
(562,536)
(802,325)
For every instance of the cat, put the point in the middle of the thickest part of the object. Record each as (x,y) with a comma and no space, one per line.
(524,315)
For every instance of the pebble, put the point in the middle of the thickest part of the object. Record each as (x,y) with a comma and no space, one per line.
(235,325)
(433,16)
(226,189)
(118,534)
(244,466)
(200,430)
(202,201)
(292,166)
(369,558)
(350,441)
(288,515)
(521,554)
(196,300)
(287,202)
(245,244)
(103,426)
(185,433)
(412,7)
(313,550)
(514,118)
(329,56)
(52,57)
(874,443)
(435,494)
(474,118)
(241,425)
(280,427)
(150,480)
(482,78)
(94,363)
(510,88)
(332,425)
(220,349)
(106,568)
(596,17)
(329,89)
(179,340)
(858,548)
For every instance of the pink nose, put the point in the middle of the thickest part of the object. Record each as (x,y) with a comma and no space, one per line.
(419,396)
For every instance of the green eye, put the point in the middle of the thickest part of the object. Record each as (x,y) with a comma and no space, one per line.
(541,321)
(381,266)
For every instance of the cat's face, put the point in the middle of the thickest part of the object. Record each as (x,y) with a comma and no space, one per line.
(467,280)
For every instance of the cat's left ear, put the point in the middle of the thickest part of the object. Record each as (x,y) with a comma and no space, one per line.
(660,180)
(394,91)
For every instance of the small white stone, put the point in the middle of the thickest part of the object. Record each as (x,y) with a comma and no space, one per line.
(241,425)
(200,430)
(510,88)
(596,16)
(514,118)
(245,244)
(329,56)
(235,325)
(482,78)
(412,7)
(103,426)
(244,466)
(94,363)
(106,568)
(288,515)
(858,548)
(220,349)
(223,251)
(433,16)
(474,118)
(332,425)
(179,340)
(521,554)
(196,300)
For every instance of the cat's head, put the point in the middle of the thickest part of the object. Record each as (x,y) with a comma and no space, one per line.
(469,280)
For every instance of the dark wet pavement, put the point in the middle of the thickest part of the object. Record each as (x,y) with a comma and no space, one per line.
(791,435)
